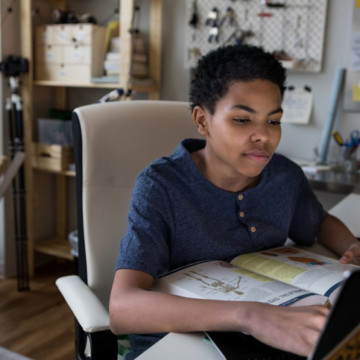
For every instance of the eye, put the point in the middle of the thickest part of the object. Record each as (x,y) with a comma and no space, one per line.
(241,120)
(274,122)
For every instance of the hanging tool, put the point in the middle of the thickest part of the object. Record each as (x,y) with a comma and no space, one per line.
(240,36)
(229,17)
(275,5)
(194,20)
(270,4)
(212,17)
(298,39)
(214,34)
(265,14)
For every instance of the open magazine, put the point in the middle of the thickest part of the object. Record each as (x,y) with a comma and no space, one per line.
(280,276)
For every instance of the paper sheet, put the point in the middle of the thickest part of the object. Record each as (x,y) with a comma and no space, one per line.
(297,106)
(355,52)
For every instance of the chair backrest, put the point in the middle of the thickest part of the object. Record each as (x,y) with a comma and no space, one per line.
(113,143)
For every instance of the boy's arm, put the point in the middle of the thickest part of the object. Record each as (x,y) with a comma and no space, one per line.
(134,308)
(336,236)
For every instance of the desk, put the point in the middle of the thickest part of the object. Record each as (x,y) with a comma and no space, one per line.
(182,347)
(194,347)
(335,181)
(348,211)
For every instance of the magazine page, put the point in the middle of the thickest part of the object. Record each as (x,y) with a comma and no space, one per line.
(301,268)
(219,280)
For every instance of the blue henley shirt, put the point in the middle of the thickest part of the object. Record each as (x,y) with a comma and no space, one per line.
(177,217)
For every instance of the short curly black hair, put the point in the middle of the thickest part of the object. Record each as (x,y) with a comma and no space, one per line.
(221,67)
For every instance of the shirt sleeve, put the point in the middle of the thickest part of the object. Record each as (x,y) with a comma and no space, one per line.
(146,244)
(308,216)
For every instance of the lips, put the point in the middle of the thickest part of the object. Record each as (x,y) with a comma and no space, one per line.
(257,156)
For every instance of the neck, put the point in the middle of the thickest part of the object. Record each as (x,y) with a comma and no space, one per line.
(219,178)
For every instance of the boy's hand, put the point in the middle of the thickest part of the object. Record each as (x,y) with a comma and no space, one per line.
(293,329)
(351,255)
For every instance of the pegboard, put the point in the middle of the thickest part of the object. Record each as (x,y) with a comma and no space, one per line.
(293,29)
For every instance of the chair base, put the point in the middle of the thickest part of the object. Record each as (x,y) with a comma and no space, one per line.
(102,344)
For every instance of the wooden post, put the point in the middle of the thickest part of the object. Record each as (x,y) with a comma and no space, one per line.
(26,93)
(126,16)
(155,48)
(61,211)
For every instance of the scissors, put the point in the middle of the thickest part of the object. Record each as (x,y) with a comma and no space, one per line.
(354,138)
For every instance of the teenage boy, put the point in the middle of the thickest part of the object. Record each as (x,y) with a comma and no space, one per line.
(219,197)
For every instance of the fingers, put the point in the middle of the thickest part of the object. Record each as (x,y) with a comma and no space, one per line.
(295,329)
(351,255)
(347,257)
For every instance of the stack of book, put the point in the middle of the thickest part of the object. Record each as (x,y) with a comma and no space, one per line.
(139,65)
(112,58)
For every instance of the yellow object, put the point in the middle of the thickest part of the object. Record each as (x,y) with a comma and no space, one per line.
(356,92)
(338,138)
(113,30)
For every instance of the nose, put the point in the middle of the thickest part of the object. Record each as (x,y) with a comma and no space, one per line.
(260,133)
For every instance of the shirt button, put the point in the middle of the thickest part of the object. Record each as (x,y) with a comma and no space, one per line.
(240,197)
(242,214)
(253,229)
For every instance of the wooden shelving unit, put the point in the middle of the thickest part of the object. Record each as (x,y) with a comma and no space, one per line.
(58,244)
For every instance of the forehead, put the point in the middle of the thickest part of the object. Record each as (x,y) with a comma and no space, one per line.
(255,93)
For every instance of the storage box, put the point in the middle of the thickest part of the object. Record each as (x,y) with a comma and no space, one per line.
(69,53)
(53,131)
(52,157)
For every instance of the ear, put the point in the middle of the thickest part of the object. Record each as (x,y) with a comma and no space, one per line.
(200,118)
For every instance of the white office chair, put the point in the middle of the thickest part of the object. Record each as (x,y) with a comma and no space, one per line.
(113,143)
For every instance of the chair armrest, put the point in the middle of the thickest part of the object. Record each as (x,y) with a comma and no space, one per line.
(85,305)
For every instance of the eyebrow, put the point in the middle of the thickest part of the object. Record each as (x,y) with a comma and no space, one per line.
(253,111)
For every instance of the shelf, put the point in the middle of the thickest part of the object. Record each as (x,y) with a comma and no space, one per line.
(83,85)
(137,85)
(55,247)
(65,173)
(58,182)
(140,85)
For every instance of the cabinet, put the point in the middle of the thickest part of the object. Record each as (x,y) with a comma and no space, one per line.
(69,53)
(58,244)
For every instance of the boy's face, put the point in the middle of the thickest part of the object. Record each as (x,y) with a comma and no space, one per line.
(242,134)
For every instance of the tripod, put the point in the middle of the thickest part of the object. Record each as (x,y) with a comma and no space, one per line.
(12,68)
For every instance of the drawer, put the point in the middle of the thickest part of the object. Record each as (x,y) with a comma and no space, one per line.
(78,73)
(62,34)
(46,71)
(83,33)
(64,73)
(52,157)
(49,54)
(44,35)
(75,54)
